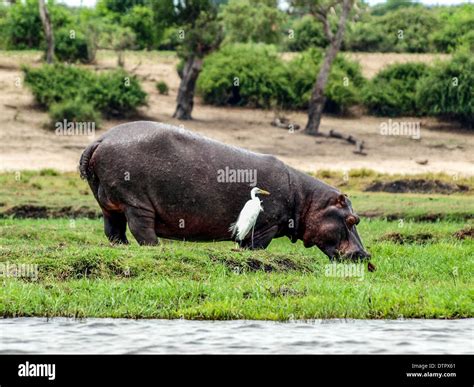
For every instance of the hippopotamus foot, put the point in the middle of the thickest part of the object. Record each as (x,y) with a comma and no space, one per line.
(142,225)
(261,239)
(115,226)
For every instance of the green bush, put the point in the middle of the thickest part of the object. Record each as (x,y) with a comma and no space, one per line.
(257,21)
(344,83)
(23,28)
(367,37)
(140,20)
(448,89)
(392,92)
(244,74)
(75,110)
(113,93)
(116,93)
(457,23)
(56,83)
(307,33)
(162,87)
(405,29)
(170,39)
(254,75)
(71,46)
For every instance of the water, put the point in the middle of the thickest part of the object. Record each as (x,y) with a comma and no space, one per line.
(62,335)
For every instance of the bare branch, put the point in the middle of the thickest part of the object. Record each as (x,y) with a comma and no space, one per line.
(322,16)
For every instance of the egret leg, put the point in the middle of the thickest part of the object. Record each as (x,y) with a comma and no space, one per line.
(262,238)
(253,229)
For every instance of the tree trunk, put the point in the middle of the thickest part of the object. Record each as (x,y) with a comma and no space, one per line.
(318,99)
(48,31)
(185,98)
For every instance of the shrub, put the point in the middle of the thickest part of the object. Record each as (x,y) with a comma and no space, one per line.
(308,33)
(170,39)
(244,74)
(402,30)
(140,20)
(447,91)
(457,23)
(252,21)
(75,110)
(23,27)
(392,92)
(56,83)
(114,93)
(162,87)
(367,37)
(342,90)
(71,46)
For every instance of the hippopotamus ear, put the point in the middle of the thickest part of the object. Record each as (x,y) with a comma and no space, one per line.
(341,201)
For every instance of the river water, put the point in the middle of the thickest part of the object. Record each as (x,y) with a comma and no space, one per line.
(62,335)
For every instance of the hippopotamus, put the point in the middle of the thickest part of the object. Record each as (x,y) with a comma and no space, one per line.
(165,181)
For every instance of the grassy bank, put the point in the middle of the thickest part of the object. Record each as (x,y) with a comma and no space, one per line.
(424,269)
(48,193)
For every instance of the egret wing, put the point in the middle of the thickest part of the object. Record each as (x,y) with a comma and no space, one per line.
(247,219)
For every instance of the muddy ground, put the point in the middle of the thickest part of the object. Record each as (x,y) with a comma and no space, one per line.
(26,144)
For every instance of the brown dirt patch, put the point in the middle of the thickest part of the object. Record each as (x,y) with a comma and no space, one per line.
(41,212)
(465,233)
(402,239)
(416,186)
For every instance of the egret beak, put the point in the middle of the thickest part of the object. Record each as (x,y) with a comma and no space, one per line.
(263,192)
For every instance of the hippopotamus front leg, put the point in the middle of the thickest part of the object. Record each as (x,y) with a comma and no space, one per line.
(261,238)
(142,225)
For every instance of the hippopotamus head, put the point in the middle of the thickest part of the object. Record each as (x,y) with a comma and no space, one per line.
(330,223)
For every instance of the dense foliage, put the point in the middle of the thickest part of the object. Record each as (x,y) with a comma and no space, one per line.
(448,90)
(254,75)
(252,21)
(343,88)
(392,92)
(394,26)
(113,93)
(244,74)
(74,111)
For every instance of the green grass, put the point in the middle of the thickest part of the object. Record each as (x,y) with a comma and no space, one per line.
(80,274)
(66,195)
(428,275)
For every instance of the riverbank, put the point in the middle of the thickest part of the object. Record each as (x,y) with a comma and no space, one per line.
(56,261)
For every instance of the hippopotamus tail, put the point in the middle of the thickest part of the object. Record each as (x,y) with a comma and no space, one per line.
(85,167)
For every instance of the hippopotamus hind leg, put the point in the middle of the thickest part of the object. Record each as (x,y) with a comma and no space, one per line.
(142,225)
(115,226)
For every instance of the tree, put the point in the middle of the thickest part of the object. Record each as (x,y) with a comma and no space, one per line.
(117,38)
(48,31)
(199,33)
(321,10)
(252,21)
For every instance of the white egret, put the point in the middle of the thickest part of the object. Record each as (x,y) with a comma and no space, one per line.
(248,216)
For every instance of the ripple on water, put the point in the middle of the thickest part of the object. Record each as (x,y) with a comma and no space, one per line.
(62,335)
